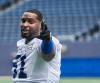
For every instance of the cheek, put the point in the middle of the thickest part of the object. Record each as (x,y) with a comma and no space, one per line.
(35,27)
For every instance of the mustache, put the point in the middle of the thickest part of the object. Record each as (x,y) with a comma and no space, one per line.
(35,34)
(24,29)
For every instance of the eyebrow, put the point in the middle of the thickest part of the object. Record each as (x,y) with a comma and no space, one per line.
(26,18)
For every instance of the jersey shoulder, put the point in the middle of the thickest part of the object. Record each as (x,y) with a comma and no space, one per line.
(55,40)
(33,41)
(20,42)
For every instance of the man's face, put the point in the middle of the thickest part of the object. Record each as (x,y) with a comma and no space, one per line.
(30,25)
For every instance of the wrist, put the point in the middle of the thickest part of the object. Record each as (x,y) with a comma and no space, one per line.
(47,46)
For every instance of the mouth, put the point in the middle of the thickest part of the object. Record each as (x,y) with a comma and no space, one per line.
(28,33)
(25,31)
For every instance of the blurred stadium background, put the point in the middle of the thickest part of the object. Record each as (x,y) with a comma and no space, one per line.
(76,23)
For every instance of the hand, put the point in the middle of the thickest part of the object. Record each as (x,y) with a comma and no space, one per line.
(45,35)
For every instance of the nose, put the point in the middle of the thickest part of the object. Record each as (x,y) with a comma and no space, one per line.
(25,24)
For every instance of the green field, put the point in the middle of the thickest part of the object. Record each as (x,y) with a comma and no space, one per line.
(64,80)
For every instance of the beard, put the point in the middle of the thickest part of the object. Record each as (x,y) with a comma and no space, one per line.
(26,35)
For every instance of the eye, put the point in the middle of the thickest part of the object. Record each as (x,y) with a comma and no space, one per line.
(23,20)
(30,21)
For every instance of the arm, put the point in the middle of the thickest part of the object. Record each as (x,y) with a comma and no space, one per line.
(47,46)
(48,49)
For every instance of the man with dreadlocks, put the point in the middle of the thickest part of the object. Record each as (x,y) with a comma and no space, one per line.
(39,53)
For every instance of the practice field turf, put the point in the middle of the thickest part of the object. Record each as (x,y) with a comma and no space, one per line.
(64,80)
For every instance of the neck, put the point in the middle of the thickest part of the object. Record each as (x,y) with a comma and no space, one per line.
(28,40)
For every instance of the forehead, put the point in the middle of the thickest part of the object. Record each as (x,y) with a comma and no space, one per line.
(29,15)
